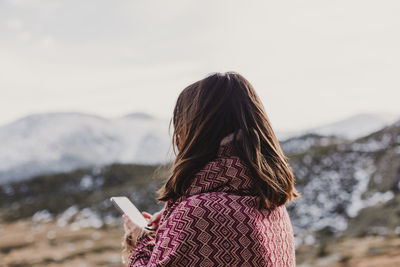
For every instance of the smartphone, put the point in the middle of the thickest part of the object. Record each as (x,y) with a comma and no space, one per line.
(125,206)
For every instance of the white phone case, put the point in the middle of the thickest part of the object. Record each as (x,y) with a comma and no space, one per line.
(125,206)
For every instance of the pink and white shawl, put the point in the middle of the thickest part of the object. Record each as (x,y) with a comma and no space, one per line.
(219,223)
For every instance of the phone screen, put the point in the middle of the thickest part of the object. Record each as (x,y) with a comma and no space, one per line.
(125,206)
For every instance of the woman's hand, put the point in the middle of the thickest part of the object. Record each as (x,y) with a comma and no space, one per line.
(132,233)
(153,220)
(132,230)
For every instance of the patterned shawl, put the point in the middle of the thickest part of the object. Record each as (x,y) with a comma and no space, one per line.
(219,223)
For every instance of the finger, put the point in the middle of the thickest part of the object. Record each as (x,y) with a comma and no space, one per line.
(128,222)
(126,229)
(156,221)
(156,217)
(125,218)
(146,215)
(151,220)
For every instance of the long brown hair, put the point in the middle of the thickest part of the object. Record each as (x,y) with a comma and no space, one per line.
(212,108)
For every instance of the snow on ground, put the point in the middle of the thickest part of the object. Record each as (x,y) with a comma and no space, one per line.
(334,184)
(77,219)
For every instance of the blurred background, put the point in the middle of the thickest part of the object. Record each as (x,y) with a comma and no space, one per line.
(88,88)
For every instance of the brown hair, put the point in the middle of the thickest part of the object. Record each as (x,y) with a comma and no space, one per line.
(212,108)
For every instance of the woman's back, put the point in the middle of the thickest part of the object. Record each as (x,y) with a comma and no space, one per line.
(219,222)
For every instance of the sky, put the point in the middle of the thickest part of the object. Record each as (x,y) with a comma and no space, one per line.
(311,62)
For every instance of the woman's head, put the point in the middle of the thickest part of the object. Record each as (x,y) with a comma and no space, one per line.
(212,108)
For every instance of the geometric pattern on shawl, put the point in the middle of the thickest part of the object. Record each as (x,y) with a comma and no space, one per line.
(219,223)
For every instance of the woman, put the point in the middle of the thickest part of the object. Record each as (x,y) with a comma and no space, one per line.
(227,189)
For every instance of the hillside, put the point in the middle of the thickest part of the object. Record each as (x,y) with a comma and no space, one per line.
(338,180)
(350,188)
(90,189)
(350,195)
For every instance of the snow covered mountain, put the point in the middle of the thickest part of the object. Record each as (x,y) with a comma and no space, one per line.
(54,142)
(350,128)
(58,142)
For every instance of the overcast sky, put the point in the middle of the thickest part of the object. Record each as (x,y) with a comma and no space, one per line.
(311,62)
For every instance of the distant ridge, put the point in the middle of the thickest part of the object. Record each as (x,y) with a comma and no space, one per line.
(139,115)
(63,141)
(350,128)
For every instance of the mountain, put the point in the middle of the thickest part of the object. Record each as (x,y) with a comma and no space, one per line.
(348,188)
(57,142)
(60,142)
(350,128)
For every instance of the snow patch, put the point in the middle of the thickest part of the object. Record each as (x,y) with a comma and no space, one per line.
(378,197)
(42,216)
(77,219)
(362,175)
(67,216)
(86,182)
(373,145)
(87,218)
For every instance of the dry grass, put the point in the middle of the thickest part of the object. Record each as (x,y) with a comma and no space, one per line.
(26,244)
(372,251)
